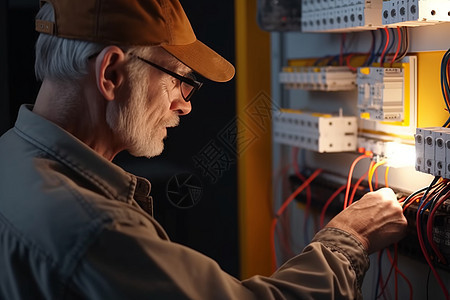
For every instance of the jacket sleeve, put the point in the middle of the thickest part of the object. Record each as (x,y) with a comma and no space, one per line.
(128,262)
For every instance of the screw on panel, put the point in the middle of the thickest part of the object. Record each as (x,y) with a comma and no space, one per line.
(440,143)
(429,140)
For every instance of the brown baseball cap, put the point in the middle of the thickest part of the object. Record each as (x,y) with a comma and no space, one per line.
(136,23)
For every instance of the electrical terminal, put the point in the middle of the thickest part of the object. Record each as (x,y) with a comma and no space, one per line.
(396,154)
(315,131)
(415,12)
(338,15)
(432,145)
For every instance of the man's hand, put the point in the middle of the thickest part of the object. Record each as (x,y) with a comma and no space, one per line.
(376,220)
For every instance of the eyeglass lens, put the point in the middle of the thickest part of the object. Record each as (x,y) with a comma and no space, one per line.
(187,89)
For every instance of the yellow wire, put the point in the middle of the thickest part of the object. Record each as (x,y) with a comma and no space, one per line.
(386,177)
(372,171)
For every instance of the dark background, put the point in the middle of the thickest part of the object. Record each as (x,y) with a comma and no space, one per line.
(210,226)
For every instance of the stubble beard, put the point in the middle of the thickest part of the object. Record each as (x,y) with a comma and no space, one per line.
(129,123)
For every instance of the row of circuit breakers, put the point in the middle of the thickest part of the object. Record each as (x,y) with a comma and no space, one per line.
(380,98)
(380,90)
(335,15)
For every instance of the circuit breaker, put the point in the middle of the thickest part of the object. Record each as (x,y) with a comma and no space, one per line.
(415,12)
(328,78)
(315,131)
(380,93)
(433,151)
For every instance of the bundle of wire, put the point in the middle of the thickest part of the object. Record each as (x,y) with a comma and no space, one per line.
(428,200)
(388,45)
(388,38)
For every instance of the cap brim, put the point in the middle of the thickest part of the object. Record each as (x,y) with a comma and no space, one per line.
(202,60)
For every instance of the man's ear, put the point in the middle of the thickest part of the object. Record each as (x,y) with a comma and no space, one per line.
(110,71)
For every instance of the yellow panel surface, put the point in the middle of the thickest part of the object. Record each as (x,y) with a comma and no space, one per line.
(430,102)
(254,144)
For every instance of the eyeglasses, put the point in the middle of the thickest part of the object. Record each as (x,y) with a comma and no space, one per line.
(188,84)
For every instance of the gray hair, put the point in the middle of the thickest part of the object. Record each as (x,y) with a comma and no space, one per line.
(64,59)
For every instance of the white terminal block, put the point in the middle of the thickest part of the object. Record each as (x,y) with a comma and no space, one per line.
(415,12)
(420,150)
(447,155)
(328,78)
(335,15)
(429,149)
(433,151)
(439,152)
(315,131)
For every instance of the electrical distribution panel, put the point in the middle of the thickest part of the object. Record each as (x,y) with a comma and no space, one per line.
(329,78)
(315,131)
(380,93)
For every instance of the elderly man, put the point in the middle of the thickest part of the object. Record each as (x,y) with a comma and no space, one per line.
(116,74)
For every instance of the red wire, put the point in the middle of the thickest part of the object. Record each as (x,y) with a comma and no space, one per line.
(324,209)
(398,45)
(348,62)
(375,174)
(430,224)
(385,47)
(355,188)
(350,174)
(401,274)
(283,208)
(424,250)
(308,189)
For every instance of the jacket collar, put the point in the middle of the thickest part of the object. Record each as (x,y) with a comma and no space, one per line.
(112,180)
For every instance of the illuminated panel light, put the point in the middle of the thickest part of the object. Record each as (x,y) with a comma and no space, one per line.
(396,154)
(400,155)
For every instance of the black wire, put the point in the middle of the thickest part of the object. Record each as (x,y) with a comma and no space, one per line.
(441,193)
(444,82)
(405,44)
(413,194)
(428,280)
(380,48)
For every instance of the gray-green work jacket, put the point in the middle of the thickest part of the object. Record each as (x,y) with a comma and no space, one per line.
(71,227)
